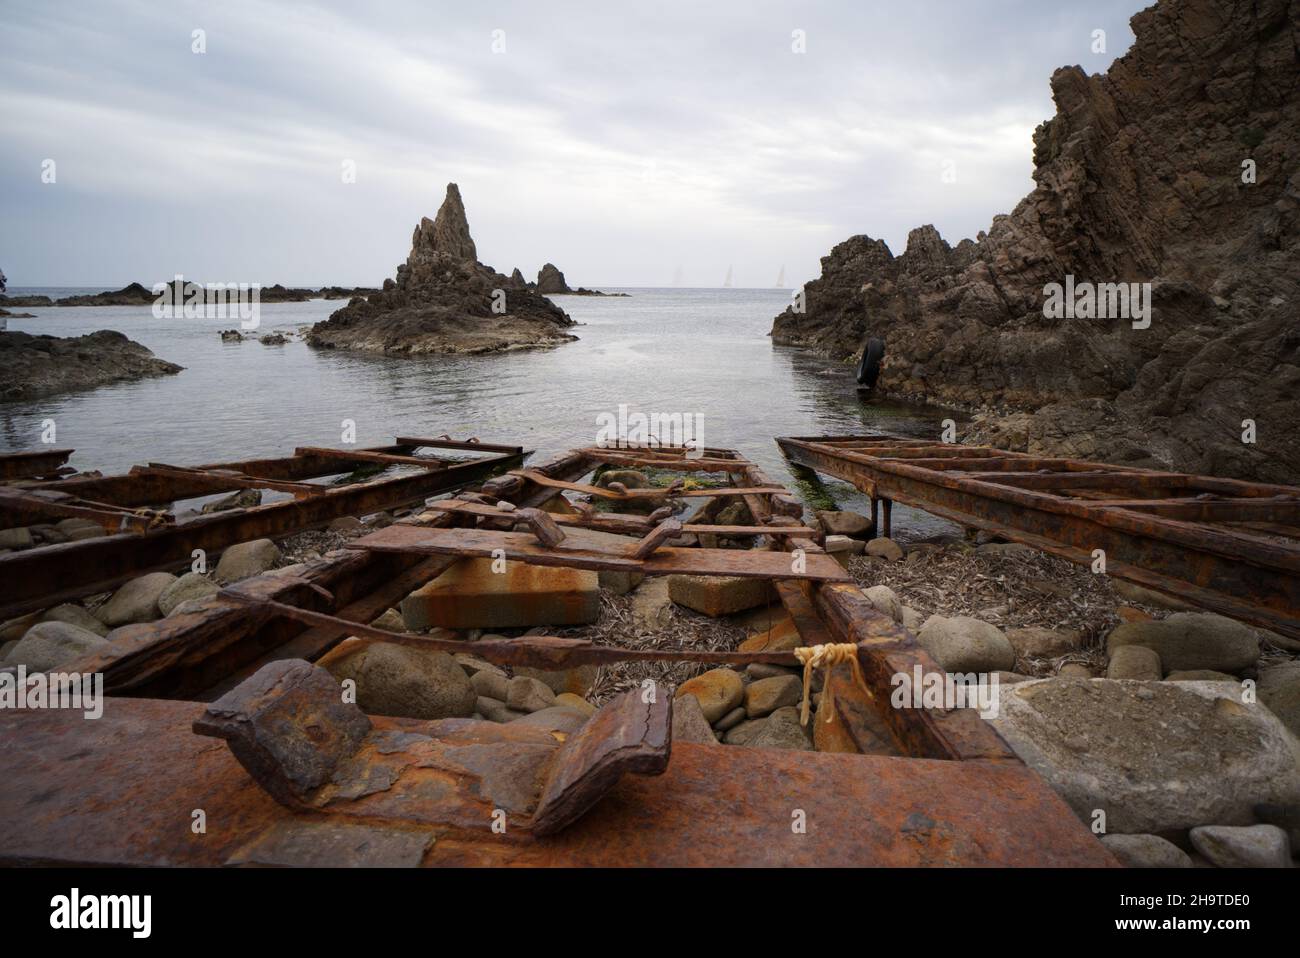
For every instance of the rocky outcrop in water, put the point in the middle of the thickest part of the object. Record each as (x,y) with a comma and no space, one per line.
(34,366)
(1176,168)
(137,295)
(551,280)
(445,301)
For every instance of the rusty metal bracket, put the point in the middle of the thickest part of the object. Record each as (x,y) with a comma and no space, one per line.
(290,729)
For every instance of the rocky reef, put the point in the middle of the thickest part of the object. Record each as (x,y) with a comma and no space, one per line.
(444,300)
(35,366)
(136,294)
(1176,168)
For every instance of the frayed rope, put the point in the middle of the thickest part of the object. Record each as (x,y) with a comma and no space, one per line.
(827,657)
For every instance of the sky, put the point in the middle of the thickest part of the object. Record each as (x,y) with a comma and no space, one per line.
(646,144)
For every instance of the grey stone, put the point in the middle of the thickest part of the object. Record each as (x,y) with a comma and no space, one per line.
(886,549)
(77,615)
(651,603)
(1279,690)
(620,583)
(1157,756)
(742,733)
(628,477)
(577,680)
(1134,662)
(1192,640)
(20,538)
(191,585)
(495,711)
(781,729)
(78,529)
(1144,596)
(730,720)
(247,559)
(404,681)
(1146,851)
(762,670)
(556,718)
(1201,675)
(391,620)
(689,724)
(1036,643)
(964,644)
(472,664)
(494,685)
(838,523)
(1285,817)
(137,601)
(1250,846)
(1005,549)
(49,645)
(885,601)
(767,695)
(527,694)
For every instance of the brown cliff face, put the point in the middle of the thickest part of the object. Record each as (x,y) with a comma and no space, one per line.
(1139,179)
(445,301)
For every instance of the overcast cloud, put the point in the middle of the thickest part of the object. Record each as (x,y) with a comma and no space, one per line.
(619,141)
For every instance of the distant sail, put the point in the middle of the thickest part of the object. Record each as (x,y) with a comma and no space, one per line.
(677,276)
(726,283)
(780,279)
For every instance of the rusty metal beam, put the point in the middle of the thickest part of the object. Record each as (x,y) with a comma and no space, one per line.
(653,493)
(188,654)
(223,480)
(621,524)
(387,459)
(110,789)
(1244,576)
(521,546)
(32,464)
(135,490)
(41,577)
(473,445)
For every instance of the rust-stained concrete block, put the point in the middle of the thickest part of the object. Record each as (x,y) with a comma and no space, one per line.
(470,595)
(719,594)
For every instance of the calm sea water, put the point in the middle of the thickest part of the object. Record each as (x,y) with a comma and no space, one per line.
(701,351)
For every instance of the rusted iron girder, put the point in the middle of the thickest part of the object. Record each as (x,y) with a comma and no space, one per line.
(107,792)
(290,730)
(186,654)
(1243,576)
(41,577)
(522,547)
(138,488)
(32,464)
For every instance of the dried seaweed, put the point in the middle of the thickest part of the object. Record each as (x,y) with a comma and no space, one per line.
(677,628)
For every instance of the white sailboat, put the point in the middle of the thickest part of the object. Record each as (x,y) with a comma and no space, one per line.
(780,279)
(726,283)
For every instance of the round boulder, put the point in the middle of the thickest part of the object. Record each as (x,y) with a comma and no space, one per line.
(247,559)
(718,692)
(886,549)
(137,601)
(403,681)
(189,586)
(964,644)
(1192,640)
(48,645)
